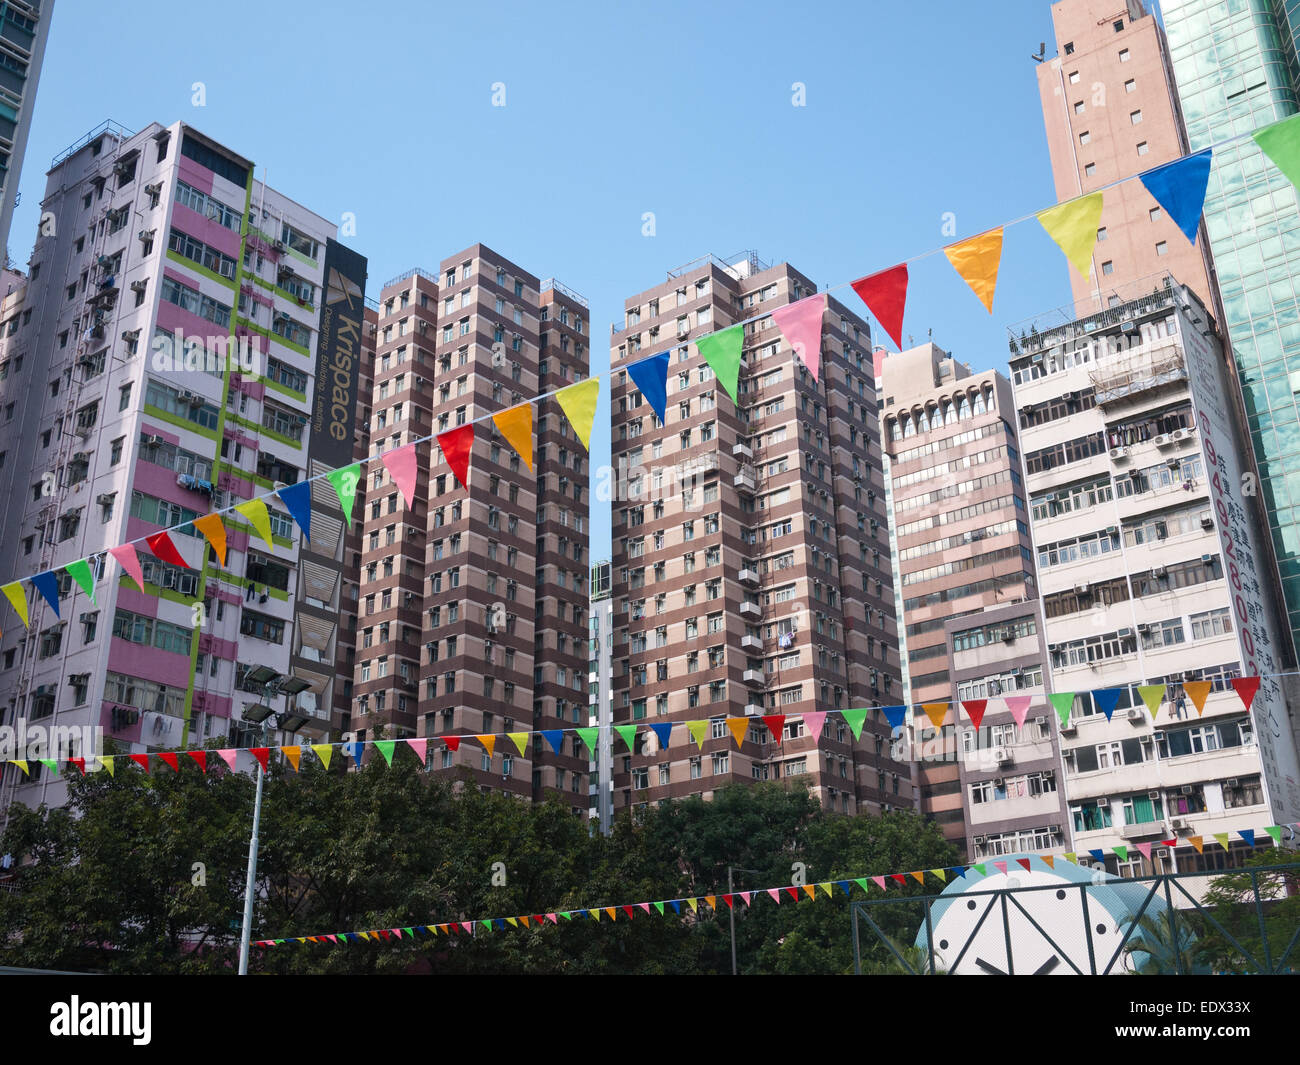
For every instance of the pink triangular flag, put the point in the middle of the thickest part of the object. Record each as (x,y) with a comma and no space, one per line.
(776,895)
(1019,707)
(552,918)
(333,939)
(402,464)
(1145,849)
(879,880)
(645,906)
(228,756)
(745,895)
(419,747)
(130,561)
(1001,865)
(801,325)
(813,721)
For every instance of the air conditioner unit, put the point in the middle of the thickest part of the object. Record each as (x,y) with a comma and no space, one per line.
(1135,714)
(104,498)
(1232,782)
(1186,789)
(1178,824)
(980,840)
(1163,440)
(1118,453)
(999,782)
(1207,558)
(1178,434)
(1008,635)
(1069,728)
(1081,589)
(131,334)
(1041,722)
(1162,852)
(1158,571)
(1207,522)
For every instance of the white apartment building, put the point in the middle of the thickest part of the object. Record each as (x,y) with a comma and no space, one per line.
(600,688)
(1146,558)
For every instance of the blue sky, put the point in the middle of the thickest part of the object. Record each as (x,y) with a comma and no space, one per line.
(612,110)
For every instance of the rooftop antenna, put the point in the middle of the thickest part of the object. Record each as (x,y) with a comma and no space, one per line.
(1042,52)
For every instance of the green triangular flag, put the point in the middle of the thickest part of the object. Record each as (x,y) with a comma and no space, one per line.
(855,718)
(660,907)
(722,352)
(862,883)
(1062,701)
(589,737)
(385,747)
(628,732)
(979,866)
(410,932)
(345,484)
(487,925)
(1281,143)
(567,914)
(52,764)
(80,571)
(1152,694)
(1122,852)
(1276,832)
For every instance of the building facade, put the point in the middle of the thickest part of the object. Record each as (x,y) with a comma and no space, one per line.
(751,566)
(600,681)
(24,29)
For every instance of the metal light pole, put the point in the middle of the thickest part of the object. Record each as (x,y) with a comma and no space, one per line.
(247,929)
(732,909)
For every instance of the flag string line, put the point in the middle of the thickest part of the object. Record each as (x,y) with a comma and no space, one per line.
(797,891)
(379,456)
(355,749)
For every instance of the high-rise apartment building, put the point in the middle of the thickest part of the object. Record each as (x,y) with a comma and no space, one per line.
(962,536)
(751,565)
(161,363)
(475,599)
(600,684)
(24,28)
(1149,575)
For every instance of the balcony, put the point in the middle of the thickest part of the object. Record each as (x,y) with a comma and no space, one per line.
(1145,830)
(754,677)
(745,479)
(753,710)
(750,610)
(749,576)
(742,451)
(751,643)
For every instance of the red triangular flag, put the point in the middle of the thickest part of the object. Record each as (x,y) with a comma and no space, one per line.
(628,910)
(885,294)
(727,900)
(262,754)
(201,757)
(161,545)
(1246,688)
(1023,863)
(793,893)
(899,877)
(456,445)
(975,708)
(452,742)
(776,726)
(80,763)
(171,760)
(142,760)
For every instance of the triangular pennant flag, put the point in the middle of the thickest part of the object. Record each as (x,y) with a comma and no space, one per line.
(813,721)
(660,907)
(80,763)
(959,870)
(775,894)
(1246,687)
(520,740)
(628,732)
(47,584)
(170,759)
(826,887)
(513,922)
(452,742)
(1098,855)
(775,725)
(676,905)
(214,531)
(403,466)
(201,758)
(18,598)
(895,715)
(1152,695)
(645,906)
(1179,187)
(1280,141)
(1018,707)
(263,755)
(1106,700)
(294,755)
(108,762)
(489,744)
(861,881)
(721,350)
(456,444)
(793,892)
(611,913)
(516,425)
(323,751)
(1122,852)
(976,260)
(385,747)
(420,748)
(228,755)
(744,895)
(663,732)
(975,710)
(555,737)
(810,890)
(855,718)
(1197,842)
(1222,839)
(1062,702)
(1051,862)
(354,750)
(1144,849)
(738,726)
(142,760)
(1073,225)
(258,516)
(1023,863)
(297,497)
(940,874)
(591,737)
(694,905)
(1197,690)
(1001,867)
(579,405)
(162,546)
(697,729)
(898,877)
(712,900)
(879,881)
(650,375)
(1071,857)
(885,294)
(1248,834)
(1276,832)
(345,483)
(801,325)
(936,712)
(81,573)
(526,920)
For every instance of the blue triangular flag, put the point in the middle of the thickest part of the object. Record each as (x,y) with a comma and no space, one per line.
(48,585)
(500,923)
(555,737)
(895,715)
(650,375)
(1100,855)
(1248,834)
(663,731)
(581,913)
(297,497)
(676,905)
(1106,698)
(960,870)
(353,750)
(844,884)
(1179,187)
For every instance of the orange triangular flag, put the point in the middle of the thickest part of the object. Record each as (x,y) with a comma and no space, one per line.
(489,744)
(1051,862)
(976,260)
(1198,843)
(738,726)
(919,877)
(516,425)
(936,712)
(1197,690)
(294,754)
(611,913)
(712,900)
(211,527)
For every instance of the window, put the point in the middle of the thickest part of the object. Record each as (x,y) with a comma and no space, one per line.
(1108,267)
(1074,74)
(1135,117)
(1090,170)
(1085,137)
(1142,148)
(1162,248)
(1130,85)
(1101,233)
(1123,55)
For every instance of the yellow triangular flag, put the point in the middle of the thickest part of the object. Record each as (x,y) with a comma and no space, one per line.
(323,752)
(1198,843)
(520,740)
(976,260)
(595,914)
(697,730)
(255,511)
(21,763)
(1072,857)
(810,890)
(489,744)
(512,921)
(17,598)
(738,727)
(936,712)
(1073,225)
(826,887)
(516,425)
(215,532)
(106,760)
(1152,695)
(939,874)
(1222,837)
(918,877)
(1197,690)
(294,754)
(693,904)
(579,405)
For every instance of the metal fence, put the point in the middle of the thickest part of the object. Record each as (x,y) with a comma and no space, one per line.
(1085,922)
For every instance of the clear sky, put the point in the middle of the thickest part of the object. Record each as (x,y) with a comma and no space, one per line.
(611,110)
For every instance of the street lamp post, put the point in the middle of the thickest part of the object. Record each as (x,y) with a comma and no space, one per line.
(268,689)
